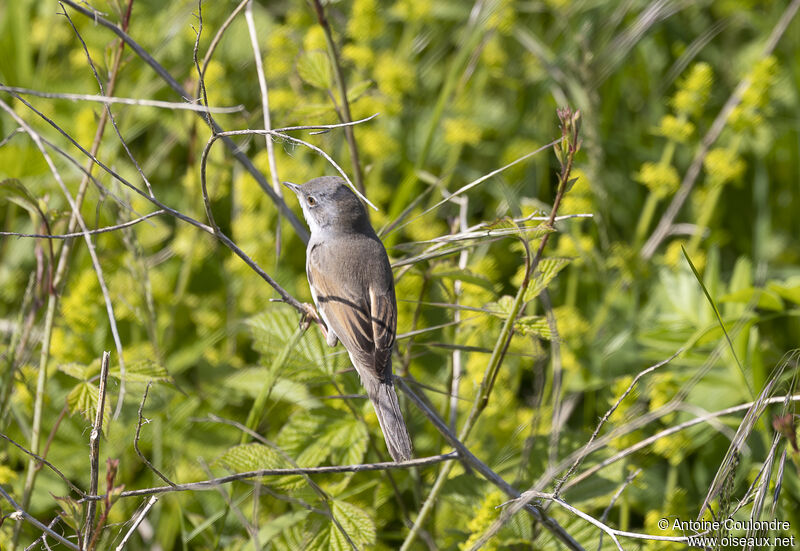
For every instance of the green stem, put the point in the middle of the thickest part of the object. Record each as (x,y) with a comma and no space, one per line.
(705,217)
(257,411)
(645,219)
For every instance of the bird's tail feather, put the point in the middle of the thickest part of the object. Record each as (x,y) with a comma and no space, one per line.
(387,408)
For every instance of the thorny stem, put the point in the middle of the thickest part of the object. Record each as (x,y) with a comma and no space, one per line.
(565,152)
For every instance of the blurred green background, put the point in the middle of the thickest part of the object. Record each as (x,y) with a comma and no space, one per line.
(461,89)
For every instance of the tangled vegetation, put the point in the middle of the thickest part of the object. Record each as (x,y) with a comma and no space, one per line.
(591,209)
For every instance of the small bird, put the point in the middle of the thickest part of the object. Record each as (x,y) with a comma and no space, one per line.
(352,286)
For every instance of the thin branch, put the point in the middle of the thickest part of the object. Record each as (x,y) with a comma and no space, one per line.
(240,156)
(587,449)
(94,454)
(45,462)
(667,432)
(90,232)
(20,512)
(137,521)
(466,455)
(204,485)
(136,440)
(125,101)
(396,225)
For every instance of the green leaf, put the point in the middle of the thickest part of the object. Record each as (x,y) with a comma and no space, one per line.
(12,190)
(465,276)
(763,298)
(547,270)
(83,398)
(141,372)
(353,520)
(358,89)
(279,526)
(252,457)
(315,69)
(533,325)
(789,290)
(74,369)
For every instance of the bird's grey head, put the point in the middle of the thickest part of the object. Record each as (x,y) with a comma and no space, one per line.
(329,204)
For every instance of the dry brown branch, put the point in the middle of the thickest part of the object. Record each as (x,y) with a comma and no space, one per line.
(465,454)
(587,449)
(94,453)
(45,462)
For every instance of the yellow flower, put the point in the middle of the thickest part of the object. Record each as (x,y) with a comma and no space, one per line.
(394,75)
(365,21)
(461,131)
(661,179)
(675,129)
(315,39)
(359,55)
(412,10)
(722,165)
(693,90)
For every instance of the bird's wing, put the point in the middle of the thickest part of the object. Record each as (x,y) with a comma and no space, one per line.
(383,314)
(346,309)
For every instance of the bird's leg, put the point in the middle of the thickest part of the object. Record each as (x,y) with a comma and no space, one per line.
(311,314)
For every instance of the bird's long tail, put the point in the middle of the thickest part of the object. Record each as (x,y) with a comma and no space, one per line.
(387,408)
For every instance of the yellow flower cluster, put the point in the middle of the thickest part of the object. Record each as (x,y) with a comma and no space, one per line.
(484,516)
(461,131)
(748,114)
(366,21)
(412,10)
(723,165)
(676,129)
(394,75)
(661,179)
(693,90)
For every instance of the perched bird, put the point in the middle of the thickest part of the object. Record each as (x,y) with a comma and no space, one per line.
(353,288)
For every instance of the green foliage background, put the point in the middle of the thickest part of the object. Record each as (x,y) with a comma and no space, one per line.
(462,90)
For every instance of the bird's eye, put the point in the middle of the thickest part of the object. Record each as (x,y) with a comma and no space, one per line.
(311,201)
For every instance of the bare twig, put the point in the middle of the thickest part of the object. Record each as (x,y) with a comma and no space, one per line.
(663,434)
(137,521)
(94,454)
(90,232)
(204,485)
(136,440)
(588,447)
(164,74)
(45,462)
(466,455)
(124,101)
(25,515)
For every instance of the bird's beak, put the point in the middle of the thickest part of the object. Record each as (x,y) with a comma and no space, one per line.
(294,187)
